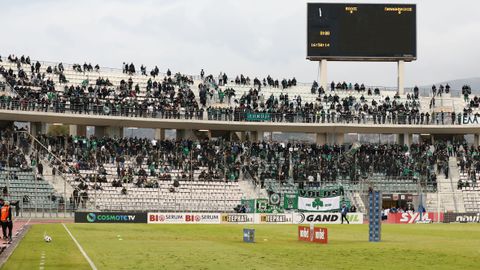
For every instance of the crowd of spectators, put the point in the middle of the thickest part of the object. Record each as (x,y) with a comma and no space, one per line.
(145,162)
(468,160)
(173,97)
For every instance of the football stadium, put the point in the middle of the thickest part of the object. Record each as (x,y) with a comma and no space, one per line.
(238,135)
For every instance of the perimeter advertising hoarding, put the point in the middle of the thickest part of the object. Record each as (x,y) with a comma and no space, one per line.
(110,217)
(414,217)
(462,217)
(326,218)
(184,218)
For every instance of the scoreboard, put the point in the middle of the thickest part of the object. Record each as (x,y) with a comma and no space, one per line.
(361,32)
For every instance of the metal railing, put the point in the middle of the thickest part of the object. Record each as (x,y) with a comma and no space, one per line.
(223,115)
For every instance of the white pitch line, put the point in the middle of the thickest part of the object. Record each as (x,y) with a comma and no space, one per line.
(92,265)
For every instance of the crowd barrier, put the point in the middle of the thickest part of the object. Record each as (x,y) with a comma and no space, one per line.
(414,217)
(215,218)
(462,217)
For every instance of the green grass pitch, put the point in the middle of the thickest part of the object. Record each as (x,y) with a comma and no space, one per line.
(418,246)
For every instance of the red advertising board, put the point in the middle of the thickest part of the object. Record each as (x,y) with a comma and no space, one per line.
(304,233)
(413,217)
(318,235)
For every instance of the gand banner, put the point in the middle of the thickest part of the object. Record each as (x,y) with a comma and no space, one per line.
(326,218)
(319,204)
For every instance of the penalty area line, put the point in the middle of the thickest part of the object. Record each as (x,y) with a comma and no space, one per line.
(92,265)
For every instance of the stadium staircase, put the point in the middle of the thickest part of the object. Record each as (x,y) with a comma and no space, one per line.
(451,199)
(30,191)
(356,199)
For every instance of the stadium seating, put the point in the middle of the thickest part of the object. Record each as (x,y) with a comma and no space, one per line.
(30,192)
(62,88)
(340,105)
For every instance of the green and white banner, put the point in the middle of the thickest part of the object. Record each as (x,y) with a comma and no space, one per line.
(319,204)
(290,201)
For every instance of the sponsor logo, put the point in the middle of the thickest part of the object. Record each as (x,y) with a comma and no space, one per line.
(462,217)
(275,219)
(237,218)
(352,218)
(414,217)
(165,217)
(91,217)
(320,234)
(411,218)
(192,218)
(468,218)
(304,233)
(319,218)
(312,234)
(180,218)
(202,218)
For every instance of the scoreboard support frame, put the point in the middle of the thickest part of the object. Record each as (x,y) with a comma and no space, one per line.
(322,69)
(323,75)
(401,76)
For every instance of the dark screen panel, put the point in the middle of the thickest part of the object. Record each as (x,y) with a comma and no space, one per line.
(361,31)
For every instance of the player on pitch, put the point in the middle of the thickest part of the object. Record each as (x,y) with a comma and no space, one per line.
(344,212)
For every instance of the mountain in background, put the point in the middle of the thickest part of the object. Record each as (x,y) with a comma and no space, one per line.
(456,85)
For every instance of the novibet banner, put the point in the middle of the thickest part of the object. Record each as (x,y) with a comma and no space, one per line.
(319,204)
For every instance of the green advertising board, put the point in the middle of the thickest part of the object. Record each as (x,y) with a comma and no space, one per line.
(259,117)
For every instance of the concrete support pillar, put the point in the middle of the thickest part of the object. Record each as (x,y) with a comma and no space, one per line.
(78,130)
(100,131)
(185,134)
(323,74)
(260,135)
(256,136)
(400,138)
(476,140)
(408,139)
(112,132)
(339,138)
(37,128)
(160,134)
(321,138)
(82,130)
(400,76)
(242,135)
(405,139)
(72,130)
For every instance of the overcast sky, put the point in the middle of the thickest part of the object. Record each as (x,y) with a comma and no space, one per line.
(253,37)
